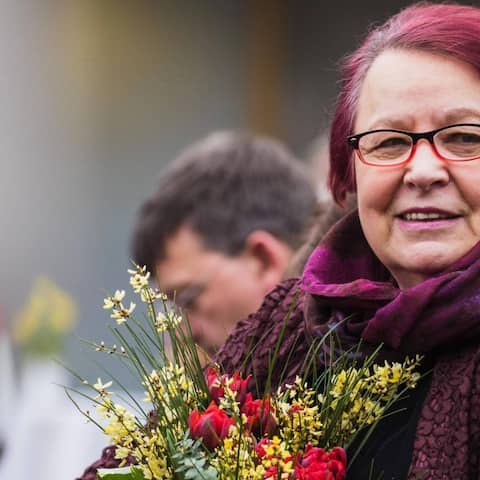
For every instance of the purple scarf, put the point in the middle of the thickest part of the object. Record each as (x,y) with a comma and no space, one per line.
(440,316)
(441,313)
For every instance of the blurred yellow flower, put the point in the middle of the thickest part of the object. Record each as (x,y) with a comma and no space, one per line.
(49,314)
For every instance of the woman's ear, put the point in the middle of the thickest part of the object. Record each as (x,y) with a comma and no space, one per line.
(269,255)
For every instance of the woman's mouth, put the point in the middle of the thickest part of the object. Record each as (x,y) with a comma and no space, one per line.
(426,217)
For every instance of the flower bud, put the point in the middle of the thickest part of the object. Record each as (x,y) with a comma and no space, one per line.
(260,419)
(216,385)
(211,426)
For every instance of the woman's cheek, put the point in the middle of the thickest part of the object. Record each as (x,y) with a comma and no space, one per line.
(377,187)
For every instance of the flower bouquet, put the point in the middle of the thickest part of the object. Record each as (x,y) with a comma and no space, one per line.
(202,423)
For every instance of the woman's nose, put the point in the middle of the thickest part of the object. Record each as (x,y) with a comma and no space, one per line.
(426,170)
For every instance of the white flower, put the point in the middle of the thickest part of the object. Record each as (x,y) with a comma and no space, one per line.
(139,281)
(138,269)
(108,303)
(167,320)
(161,322)
(148,295)
(101,388)
(119,294)
(111,302)
(121,313)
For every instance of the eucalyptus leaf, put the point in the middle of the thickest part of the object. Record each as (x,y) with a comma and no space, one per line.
(121,473)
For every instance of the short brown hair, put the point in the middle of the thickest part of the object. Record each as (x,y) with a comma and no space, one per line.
(224,187)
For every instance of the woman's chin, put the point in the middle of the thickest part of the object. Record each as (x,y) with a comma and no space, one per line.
(421,261)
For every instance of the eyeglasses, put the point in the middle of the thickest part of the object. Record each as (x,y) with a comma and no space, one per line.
(188,296)
(389,148)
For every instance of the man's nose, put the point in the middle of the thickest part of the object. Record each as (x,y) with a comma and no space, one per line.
(195,323)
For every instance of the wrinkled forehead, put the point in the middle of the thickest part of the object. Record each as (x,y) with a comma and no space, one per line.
(403,89)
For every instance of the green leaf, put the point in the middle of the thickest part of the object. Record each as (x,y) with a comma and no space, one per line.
(122,473)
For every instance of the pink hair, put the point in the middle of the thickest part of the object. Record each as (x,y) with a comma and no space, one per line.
(446,29)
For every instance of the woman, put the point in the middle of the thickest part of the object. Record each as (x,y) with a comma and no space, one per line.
(404,270)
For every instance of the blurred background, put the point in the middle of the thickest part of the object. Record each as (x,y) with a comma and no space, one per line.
(97,96)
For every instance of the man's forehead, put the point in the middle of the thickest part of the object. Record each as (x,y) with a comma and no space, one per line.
(171,279)
(176,276)
(185,262)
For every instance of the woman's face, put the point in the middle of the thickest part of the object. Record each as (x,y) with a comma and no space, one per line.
(418,91)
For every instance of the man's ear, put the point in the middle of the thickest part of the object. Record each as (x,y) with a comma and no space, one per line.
(270,257)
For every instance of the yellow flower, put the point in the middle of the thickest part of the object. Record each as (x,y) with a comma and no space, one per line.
(47,316)
(298,415)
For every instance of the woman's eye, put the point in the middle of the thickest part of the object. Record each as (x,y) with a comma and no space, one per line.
(393,142)
(386,146)
(460,137)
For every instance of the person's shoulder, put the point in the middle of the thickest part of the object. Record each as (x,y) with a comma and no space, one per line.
(278,321)
(107,460)
(285,295)
(285,298)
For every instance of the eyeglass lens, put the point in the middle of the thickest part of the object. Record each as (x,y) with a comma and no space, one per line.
(456,143)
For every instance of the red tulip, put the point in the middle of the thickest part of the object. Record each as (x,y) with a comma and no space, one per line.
(260,419)
(216,385)
(316,464)
(211,426)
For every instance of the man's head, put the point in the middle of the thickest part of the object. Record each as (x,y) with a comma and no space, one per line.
(220,229)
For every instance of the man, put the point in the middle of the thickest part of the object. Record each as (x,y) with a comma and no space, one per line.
(221,228)
(220,231)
